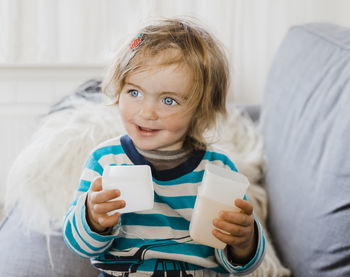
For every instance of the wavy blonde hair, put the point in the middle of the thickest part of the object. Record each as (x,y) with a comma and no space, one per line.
(199,50)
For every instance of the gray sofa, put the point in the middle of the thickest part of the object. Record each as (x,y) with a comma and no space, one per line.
(305,122)
(306,128)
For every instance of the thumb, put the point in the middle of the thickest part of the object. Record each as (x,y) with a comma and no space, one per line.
(245,206)
(96,184)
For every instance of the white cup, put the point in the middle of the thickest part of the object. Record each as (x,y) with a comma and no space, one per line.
(135,184)
(219,188)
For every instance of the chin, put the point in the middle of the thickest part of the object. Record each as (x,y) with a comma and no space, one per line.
(154,144)
(144,146)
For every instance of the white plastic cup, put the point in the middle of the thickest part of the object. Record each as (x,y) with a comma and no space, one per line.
(135,184)
(218,191)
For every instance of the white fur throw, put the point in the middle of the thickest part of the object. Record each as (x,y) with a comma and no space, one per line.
(44,176)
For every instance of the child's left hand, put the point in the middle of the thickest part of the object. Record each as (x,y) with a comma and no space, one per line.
(240,226)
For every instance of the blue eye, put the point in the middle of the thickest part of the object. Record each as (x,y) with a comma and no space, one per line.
(169,101)
(134,92)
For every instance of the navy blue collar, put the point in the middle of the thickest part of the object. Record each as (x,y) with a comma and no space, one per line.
(162,175)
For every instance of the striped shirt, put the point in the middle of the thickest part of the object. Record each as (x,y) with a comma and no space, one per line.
(158,239)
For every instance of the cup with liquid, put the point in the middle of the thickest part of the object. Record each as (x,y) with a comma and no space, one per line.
(135,184)
(217,192)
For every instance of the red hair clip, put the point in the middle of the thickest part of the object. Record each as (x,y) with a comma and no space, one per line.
(135,42)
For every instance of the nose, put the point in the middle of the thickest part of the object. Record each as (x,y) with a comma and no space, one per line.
(148,111)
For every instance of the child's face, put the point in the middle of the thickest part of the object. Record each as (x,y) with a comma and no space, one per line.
(153,106)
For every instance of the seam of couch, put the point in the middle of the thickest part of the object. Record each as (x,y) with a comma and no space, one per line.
(315,32)
(3,222)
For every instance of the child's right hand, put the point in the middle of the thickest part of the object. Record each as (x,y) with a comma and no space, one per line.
(98,206)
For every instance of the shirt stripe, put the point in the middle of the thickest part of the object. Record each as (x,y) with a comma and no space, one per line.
(144,240)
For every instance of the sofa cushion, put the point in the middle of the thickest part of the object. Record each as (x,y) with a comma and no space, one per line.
(306,129)
(26,253)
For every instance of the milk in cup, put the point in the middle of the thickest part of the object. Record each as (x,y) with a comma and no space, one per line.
(135,184)
(219,188)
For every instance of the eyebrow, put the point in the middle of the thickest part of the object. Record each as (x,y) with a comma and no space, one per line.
(133,85)
(163,92)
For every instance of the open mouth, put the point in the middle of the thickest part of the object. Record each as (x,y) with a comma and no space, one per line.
(144,129)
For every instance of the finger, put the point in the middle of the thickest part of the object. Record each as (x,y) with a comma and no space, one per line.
(108,220)
(104,196)
(96,184)
(235,217)
(106,207)
(227,238)
(244,205)
(232,229)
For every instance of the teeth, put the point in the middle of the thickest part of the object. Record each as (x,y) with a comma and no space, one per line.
(145,129)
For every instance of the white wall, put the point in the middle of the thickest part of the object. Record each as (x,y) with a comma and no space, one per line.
(88,31)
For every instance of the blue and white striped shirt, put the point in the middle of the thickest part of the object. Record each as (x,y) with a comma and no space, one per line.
(158,239)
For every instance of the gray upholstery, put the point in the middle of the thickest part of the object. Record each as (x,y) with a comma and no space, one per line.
(26,254)
(306,128)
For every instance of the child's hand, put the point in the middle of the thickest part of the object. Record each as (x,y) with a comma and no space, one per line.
(98,206)
(240,226)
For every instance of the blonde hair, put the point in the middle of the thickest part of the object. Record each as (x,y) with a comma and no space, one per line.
(199,50)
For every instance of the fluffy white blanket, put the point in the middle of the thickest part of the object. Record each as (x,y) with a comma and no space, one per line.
(44,176)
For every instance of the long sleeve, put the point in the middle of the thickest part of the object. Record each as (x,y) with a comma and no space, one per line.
(76,232)
(221,256)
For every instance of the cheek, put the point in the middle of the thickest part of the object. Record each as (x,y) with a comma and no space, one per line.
(124,114)
(123,108)
(178,124)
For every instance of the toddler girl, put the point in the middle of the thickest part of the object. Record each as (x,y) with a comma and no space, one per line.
(170,85)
